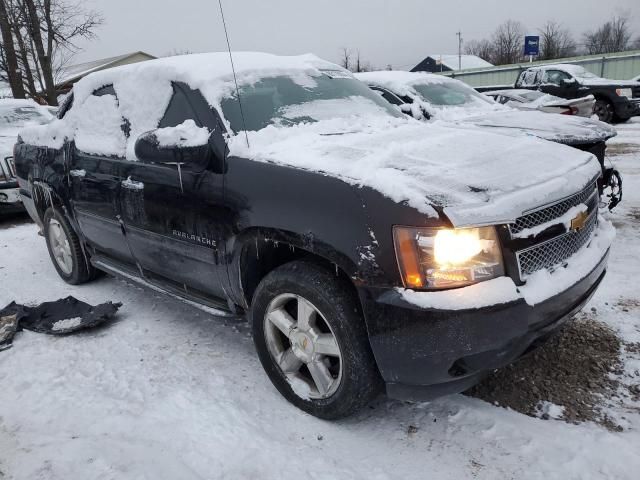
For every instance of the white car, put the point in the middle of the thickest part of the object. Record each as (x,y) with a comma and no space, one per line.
(14,116)
(536,100)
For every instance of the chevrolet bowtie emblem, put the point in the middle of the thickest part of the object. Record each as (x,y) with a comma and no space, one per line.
(579,221)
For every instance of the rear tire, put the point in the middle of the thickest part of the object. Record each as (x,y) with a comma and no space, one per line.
(312,342)
(65,250)
(604,110)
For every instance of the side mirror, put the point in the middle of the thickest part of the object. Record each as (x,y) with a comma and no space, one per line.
(568,82)
(167,146)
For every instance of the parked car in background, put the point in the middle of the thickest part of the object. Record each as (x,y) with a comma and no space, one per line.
(14,115)
(429,97)
(370,250)
(616,100)
(537,100)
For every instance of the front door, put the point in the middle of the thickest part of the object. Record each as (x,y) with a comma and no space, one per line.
(173,214)
(559,83)
(96,157)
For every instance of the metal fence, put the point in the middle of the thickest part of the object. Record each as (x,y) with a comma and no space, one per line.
(618,66)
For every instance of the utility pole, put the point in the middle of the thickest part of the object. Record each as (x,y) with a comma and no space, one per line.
(459,34)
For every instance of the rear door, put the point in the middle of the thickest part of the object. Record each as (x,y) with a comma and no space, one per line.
(96,157)
(174,214)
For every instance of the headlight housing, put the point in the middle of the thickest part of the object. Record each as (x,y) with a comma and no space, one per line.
(440,258)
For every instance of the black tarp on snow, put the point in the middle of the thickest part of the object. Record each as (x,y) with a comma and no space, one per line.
(61,317)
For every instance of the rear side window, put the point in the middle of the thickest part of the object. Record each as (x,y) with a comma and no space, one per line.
(99,125)
(529,78)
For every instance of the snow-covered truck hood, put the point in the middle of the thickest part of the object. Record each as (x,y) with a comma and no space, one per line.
(474,176)
(570,130)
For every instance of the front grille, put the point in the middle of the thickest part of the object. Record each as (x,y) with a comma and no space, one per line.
(636,92)
(555,251)
(551,212)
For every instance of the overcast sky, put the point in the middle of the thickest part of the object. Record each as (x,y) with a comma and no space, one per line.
(400,33)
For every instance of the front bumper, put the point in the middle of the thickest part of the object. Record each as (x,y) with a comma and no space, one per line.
(10,200)
(425,353)
(627,108)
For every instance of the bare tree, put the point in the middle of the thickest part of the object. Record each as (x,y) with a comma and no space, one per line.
(345,60)
(481,48)
(10,58)
(44,33)
(508,43)
(612,36)
(556,41)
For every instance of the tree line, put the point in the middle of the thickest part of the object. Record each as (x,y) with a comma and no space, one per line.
(38,40)
(506,44)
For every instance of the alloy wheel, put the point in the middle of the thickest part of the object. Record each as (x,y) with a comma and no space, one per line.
(303,346)
(60,247)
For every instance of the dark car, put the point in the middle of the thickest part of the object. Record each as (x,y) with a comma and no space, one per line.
(430,97)
(369,251)
(14,115)
(616,100)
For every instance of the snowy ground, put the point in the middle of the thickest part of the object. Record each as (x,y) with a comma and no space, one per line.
(168,392)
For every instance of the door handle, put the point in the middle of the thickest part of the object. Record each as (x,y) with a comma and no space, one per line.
(132,184)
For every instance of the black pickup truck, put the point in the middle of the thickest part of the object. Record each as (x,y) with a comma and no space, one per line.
(369,251)
(616,100)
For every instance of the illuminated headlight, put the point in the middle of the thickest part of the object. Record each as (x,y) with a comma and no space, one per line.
(624,92)
(432,258)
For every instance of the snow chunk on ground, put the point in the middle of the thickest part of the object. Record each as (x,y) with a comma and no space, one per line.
(66,324)
(187,134)
(550,410)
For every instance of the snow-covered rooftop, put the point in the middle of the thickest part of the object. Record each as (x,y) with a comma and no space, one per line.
(468,61)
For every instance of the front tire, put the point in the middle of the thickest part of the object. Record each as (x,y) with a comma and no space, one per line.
(604,110)
(312,342)
(65,249)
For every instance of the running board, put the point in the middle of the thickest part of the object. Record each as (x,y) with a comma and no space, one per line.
(208,306)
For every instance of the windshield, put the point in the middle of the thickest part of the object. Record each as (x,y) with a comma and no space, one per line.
(580,72)
(451,94)
(282,101)
(20,117)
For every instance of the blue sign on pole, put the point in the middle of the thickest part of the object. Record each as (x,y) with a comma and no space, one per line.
(532,45)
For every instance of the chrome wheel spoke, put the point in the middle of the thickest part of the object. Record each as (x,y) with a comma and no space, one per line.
(282,320)
(326,344)
(306,314)
(60,247)
(321,376)
(288,362)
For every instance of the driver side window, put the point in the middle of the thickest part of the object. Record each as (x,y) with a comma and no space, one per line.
(555,77)
(99,125)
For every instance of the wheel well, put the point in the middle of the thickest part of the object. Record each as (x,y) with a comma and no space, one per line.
(44,196)
(261,257)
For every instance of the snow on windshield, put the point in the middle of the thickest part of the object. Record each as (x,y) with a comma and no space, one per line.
(318,110)
(283,100)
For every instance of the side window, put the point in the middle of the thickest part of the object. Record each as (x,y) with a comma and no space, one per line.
(179,109)
(555,77)
(99,125)
(538,79)
(529,78)
(520,79)
(388,96)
